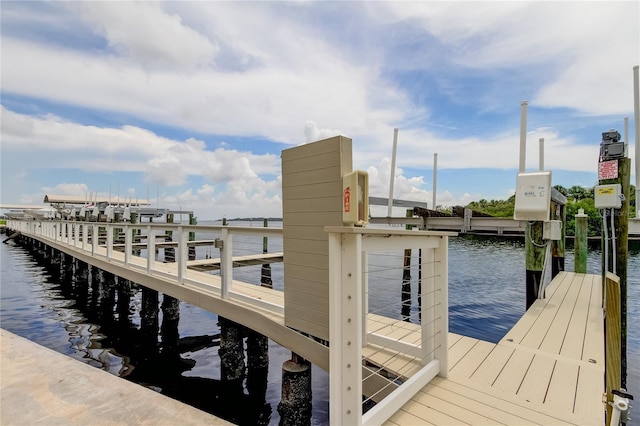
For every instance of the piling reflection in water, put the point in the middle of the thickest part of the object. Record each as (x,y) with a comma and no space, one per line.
(99,311)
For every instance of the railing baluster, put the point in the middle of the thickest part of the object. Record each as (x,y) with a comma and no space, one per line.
(226,263)
(151,249)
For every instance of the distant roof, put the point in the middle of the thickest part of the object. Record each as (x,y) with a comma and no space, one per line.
(74,199)
(20,206)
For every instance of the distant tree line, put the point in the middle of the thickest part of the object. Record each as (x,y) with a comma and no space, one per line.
(578,197)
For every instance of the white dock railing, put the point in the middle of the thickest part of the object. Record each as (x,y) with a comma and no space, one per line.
(97,240)
(424,344)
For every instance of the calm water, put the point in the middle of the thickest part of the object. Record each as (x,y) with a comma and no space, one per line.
(486,279)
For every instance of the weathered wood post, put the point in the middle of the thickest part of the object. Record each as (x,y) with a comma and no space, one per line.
(580,242)
(295,403)
(622,176)
(613,359)
(231,351)
(558,212)
(149,323)
(535,254)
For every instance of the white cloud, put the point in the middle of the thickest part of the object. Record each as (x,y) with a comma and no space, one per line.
(144,33)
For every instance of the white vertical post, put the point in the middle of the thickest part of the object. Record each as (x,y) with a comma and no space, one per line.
(182,257)
(85,236)
(94,240)
(435,180)
(393,170)
(151,249)
(127,245)
(226,263)
(442,305)
(365,296)
(541,154)
(427,304)
(345,330)
(109,241)
(523,135)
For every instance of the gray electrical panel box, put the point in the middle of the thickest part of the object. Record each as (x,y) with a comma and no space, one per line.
(608,196)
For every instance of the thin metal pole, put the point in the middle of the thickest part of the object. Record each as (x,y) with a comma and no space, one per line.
(435,179)
(393,169)
(523,135)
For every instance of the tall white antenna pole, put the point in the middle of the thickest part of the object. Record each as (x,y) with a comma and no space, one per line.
(636,126)
(541,153)
(393,169)
(523,135)
(435,179)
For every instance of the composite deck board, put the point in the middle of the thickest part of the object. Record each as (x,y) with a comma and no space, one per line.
(547,370)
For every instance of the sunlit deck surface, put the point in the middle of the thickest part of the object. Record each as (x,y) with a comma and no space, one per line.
(548,369)
(42,387)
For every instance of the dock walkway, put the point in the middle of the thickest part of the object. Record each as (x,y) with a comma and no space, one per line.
(548,369)
(43,387)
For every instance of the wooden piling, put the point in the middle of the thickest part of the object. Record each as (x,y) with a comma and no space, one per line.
(295,403)
(558,212)
(580,242)
(613,359)
(231,351)
(535,254)
(621,225)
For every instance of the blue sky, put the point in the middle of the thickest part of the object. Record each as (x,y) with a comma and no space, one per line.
(189,104)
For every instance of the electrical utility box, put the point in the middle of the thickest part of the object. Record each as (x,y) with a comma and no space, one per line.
(552,230)
(355,198)
(608,196)
(533,196)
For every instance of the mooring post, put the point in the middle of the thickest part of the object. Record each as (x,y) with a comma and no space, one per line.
(580,242)
(295,403)
(613,361)
(124,300)
(558,212)
(535,253)
(621,232)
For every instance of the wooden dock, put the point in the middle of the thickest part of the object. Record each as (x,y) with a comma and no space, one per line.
(548,369)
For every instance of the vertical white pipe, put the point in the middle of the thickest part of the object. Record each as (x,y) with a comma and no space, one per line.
(541,153)
(636,127)
(626,130)
(523,135)
(435,179)
(393,169)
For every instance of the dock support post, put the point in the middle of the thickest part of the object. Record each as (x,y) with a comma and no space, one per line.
(149,322)
(124,300)
(231,351)
(169,328)
(580,242)
(295,404)
(535,253)
(265,271)
(557,247)
(613,361)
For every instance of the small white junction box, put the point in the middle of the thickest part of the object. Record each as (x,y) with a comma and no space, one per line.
(608,196)
(533,196)
(552,230)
